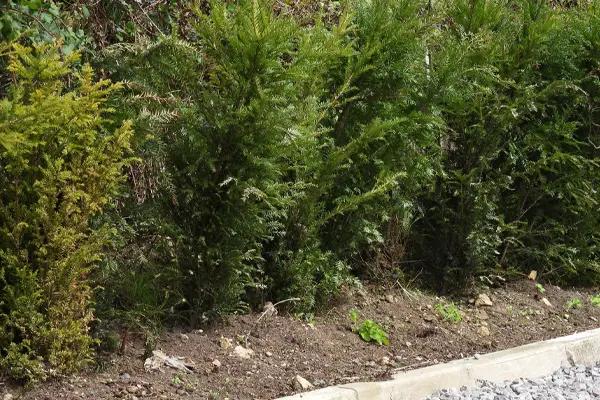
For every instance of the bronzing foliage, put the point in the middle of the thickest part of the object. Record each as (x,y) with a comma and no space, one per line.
(60,164)
(284,149)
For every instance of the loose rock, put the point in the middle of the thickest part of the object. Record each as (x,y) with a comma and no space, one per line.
(302,384)
(533,275)
(484,331)
(243,352)
(482,315)
(483,300)
(546,302)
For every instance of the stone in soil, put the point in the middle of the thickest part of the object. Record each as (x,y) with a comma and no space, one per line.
(483,300)
(546,302)
(484,331)
(243,352)
(302,384)
(428,318)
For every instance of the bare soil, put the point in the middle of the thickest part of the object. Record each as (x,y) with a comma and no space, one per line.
(326,351)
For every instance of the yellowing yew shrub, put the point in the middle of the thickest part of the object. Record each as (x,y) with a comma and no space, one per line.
(60,163)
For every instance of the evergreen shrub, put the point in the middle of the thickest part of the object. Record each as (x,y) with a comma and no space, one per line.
(516,85)
(284,149)
(61,161)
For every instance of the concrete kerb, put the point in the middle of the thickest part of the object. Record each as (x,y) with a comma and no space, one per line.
(529,361)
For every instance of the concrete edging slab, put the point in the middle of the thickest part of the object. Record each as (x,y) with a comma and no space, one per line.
(529,361)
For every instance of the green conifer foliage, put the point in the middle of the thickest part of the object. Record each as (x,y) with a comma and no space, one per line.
(515,83)
(287,147)
(223,109)
(59,169)
(375,149)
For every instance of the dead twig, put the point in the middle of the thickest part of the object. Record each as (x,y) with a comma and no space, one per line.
(268,311)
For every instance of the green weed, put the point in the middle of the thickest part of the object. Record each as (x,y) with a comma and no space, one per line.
(540,288)
(369,330)
(573,304)
(449,312)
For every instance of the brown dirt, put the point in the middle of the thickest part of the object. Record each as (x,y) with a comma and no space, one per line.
(327,352)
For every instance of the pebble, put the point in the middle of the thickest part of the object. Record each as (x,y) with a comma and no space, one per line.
(484,331)
(483,300)
(546,302)
(572,383)
(243,352)
(301,384)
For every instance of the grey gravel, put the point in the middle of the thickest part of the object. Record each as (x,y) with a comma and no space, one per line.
(571,383)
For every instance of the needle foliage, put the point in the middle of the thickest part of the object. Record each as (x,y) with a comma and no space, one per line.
(283,150)
(60,164)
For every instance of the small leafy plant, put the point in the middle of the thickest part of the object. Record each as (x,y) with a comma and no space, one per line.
(540,288)
(595,300)
(449,312)
(369,330)
(574,304)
